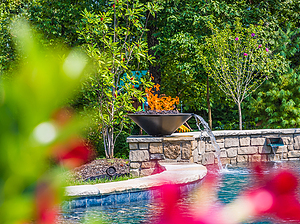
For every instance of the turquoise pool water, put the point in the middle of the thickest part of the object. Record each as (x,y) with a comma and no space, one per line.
(234,180)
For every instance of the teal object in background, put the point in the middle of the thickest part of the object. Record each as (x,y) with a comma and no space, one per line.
(137,76)
(145,104)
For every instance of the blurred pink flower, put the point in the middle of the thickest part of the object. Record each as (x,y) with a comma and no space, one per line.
(236,38)
(171,212)
(245,54)
(275,195)
(267,50)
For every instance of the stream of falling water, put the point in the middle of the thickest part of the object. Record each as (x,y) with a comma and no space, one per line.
(273,150)
(201,121)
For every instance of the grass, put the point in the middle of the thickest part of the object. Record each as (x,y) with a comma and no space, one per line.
(72,182)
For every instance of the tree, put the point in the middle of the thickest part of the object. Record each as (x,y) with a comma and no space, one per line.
(277,104)
(176,30)
(55,21)
(238,60)
(152,41)
(58,21)
(182,23)
(9,11)
(181,29)
(114,39)
(64,22)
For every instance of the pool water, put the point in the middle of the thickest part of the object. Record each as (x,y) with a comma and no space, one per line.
(137,212)
(234,180)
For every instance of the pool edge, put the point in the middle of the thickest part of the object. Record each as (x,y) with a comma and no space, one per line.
(187,176)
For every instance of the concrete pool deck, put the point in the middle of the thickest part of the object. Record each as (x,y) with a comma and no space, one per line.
(175,173)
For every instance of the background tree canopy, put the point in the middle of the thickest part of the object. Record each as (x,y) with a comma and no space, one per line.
(173,34)
(182,27)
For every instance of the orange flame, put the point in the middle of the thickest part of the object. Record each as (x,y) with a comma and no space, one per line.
(160,103)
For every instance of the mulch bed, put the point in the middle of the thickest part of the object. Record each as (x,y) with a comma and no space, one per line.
(98,168)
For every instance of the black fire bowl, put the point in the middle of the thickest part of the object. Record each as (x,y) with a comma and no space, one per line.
(160,124)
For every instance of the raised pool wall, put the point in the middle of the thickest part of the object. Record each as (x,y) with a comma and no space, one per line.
(237,146)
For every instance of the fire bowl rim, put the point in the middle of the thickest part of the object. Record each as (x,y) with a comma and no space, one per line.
(159,130)
(179,114)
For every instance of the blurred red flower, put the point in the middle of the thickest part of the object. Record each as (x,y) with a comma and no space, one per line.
(73,152)
(283,186)
(46,203)
(62,116)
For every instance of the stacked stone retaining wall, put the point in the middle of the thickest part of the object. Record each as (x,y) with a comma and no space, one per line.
(195,147)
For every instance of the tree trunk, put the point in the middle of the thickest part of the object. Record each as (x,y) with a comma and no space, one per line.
(153,41)
(208,103)
(110,143)
(240,115)
(105,141)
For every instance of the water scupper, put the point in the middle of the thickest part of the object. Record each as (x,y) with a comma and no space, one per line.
(200,121)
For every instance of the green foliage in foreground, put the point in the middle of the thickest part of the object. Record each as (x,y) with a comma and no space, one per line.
(29,132)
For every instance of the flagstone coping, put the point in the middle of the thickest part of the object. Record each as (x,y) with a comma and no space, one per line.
(175,173)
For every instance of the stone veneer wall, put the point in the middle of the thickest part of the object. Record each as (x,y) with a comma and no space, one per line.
(195,147)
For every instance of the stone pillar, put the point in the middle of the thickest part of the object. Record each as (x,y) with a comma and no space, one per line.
(146,152)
